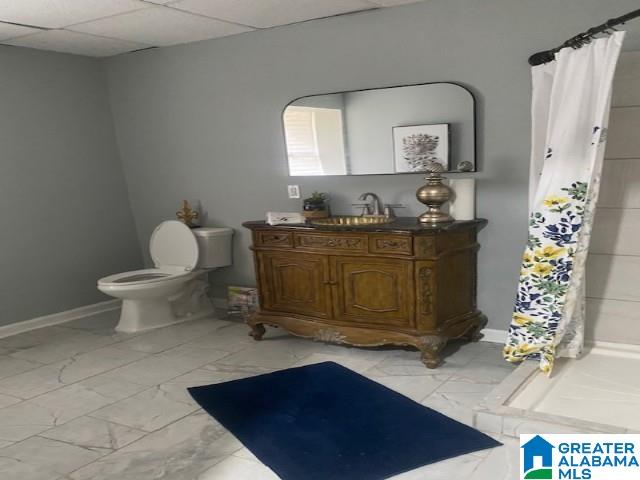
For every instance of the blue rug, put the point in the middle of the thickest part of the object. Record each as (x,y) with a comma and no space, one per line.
(326,422)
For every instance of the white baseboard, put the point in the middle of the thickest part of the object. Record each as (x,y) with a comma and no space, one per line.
(57,318)
(494,335)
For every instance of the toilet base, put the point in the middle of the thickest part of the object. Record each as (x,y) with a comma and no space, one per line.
(145,314)
(132,320)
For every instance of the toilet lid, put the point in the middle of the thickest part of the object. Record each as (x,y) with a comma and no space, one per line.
(173,244)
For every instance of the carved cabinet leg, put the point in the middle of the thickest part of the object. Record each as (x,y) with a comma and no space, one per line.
(474,334)
(257,331)
(430,347)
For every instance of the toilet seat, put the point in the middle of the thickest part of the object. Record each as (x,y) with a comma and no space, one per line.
(142,277)
(174,250)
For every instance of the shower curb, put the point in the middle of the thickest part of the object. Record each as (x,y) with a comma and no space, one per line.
(495,416)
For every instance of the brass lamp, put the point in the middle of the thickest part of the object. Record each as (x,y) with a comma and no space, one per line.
(434,194)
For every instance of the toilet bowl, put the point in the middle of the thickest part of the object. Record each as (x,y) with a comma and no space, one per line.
(180,254)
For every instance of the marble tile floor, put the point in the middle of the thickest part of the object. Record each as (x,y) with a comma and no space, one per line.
(79,402)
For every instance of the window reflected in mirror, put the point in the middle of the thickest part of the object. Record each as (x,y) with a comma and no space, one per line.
(315,141)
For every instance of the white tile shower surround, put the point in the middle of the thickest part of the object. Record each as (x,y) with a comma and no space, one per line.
(614,257)
(80,402)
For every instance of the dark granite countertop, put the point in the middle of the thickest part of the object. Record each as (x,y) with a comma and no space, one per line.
(400,224)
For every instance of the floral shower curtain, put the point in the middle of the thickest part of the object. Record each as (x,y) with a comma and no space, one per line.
(570,110)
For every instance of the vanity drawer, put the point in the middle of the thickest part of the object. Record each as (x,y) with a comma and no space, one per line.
(353,243)
(390,244)
(269,238)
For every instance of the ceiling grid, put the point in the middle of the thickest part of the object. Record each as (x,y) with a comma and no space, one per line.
(102,28)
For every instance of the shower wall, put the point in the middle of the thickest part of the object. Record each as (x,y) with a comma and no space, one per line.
(613,268)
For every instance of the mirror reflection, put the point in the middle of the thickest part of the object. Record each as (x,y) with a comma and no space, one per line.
(381,131)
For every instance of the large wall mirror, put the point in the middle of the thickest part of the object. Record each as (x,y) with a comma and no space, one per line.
(382,131)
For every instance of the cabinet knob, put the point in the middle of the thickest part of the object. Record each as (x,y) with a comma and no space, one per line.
(330,282)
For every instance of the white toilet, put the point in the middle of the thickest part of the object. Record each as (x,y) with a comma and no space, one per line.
(179,254)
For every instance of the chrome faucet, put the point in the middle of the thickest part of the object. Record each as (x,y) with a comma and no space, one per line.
(375,207)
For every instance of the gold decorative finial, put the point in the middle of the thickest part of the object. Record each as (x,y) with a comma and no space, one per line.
(186,214)
(434,194)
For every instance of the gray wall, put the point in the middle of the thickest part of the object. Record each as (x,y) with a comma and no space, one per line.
(63,200)
(203,120)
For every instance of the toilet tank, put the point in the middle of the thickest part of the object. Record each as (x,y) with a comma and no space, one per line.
(214,246)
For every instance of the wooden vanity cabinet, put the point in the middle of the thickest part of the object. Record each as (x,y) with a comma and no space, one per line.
(399,284)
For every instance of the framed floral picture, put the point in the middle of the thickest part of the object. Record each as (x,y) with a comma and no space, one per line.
(416,147)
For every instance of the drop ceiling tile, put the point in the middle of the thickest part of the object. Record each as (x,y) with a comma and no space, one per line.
(8,30)
(159,26)
(393,3)
(269,13)
(77,43)
(60,13)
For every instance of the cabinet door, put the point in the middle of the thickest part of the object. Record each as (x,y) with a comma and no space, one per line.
(374,291)
(295,282)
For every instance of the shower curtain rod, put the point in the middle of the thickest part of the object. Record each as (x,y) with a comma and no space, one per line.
(582,38)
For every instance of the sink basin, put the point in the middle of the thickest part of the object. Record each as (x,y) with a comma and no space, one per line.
(353,221)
